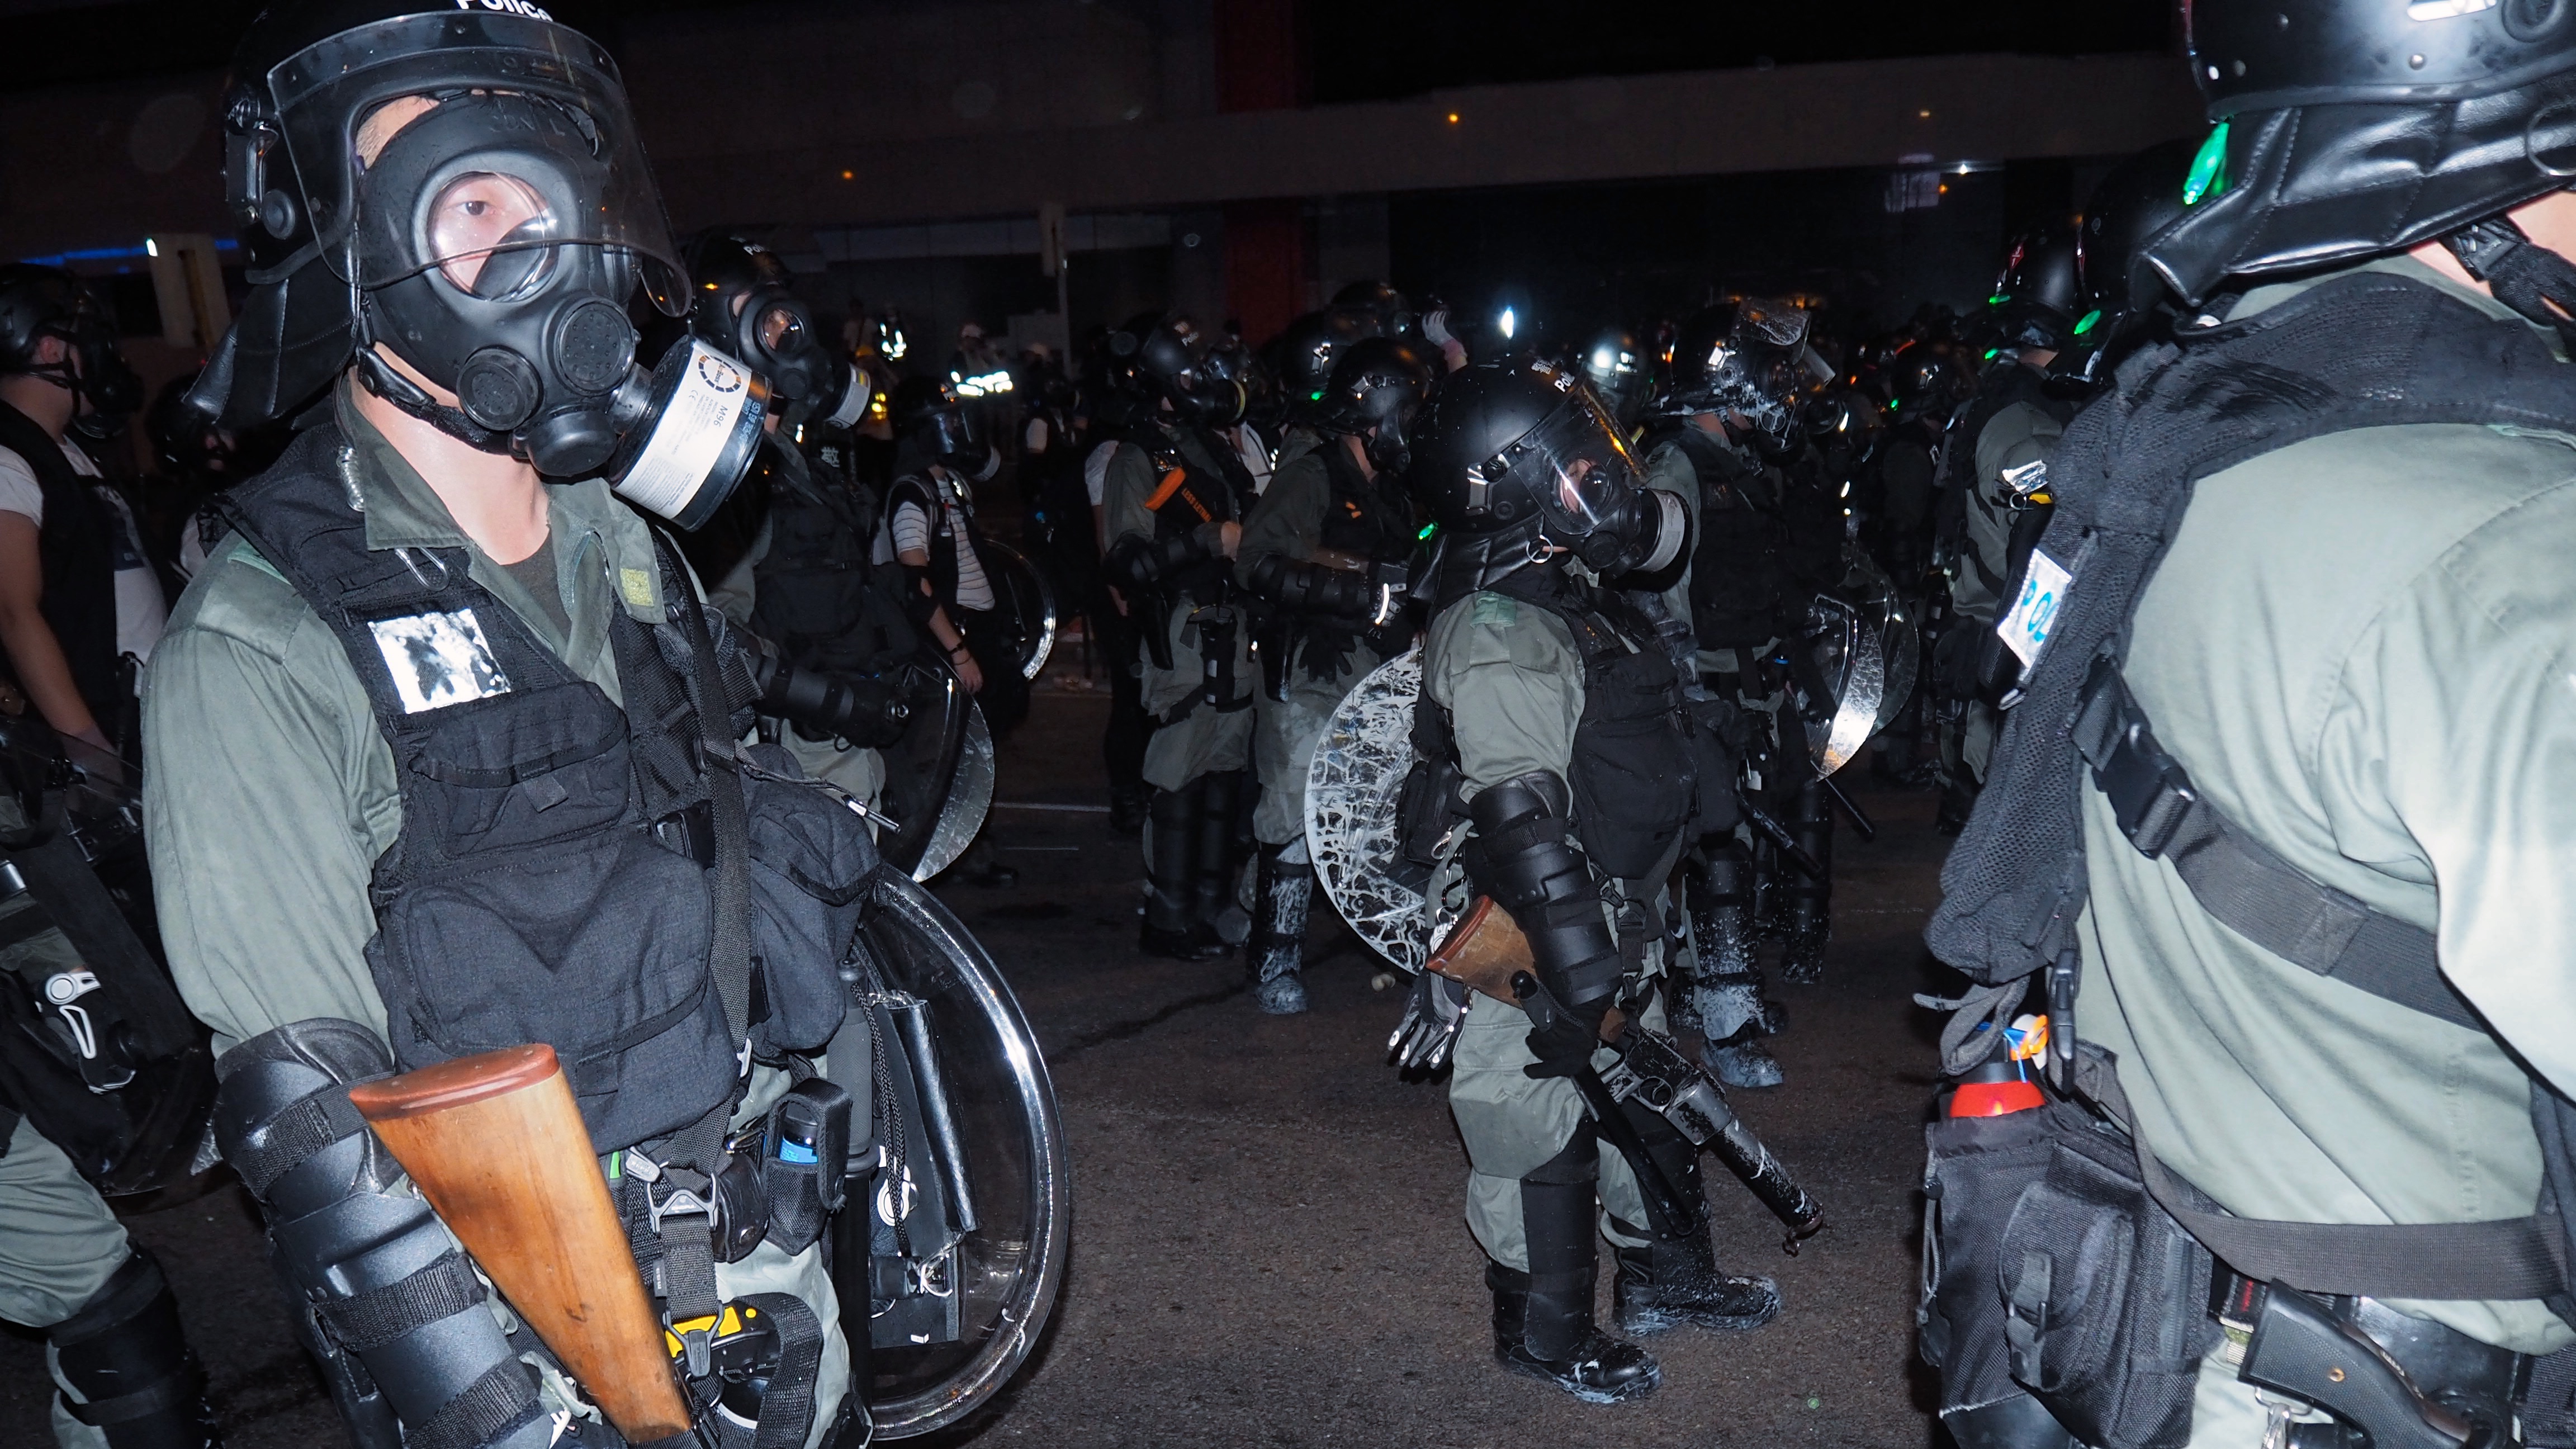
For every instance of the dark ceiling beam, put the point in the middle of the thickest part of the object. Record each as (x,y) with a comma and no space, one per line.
(1859,114)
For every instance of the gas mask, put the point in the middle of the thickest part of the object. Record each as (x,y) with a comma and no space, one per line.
(770,328)
(1577,467)
(491,244)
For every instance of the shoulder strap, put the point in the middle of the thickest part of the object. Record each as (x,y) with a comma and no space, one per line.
(2240,880)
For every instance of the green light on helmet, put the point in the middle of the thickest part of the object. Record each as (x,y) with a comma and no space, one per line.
(2208,175)
(1998,299)
(1315,396)
(1894,403)
(1992,353)
(1428,529)
(2089,319)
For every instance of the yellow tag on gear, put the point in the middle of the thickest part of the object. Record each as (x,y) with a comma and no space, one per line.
(638,587)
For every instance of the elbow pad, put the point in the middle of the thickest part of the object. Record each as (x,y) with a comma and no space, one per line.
(1524,857)
(1144,563)
(863,710)
(1311,588)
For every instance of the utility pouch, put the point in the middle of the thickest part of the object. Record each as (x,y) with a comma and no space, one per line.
(804,1152)
(1975,1170)
(2106,1298)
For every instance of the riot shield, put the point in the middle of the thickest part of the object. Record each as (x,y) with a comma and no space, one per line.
(96,1048)
(920,766)
(947,1269)
(1023,595)
(969,799)
(1851,663)
(1354,815)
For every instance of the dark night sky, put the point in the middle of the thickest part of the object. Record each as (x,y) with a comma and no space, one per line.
(1359,49)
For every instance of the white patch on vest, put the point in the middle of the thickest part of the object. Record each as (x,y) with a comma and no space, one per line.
(2034,612)
(439,659)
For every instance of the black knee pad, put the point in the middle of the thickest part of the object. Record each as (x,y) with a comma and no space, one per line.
(126,1355)
(387,1300)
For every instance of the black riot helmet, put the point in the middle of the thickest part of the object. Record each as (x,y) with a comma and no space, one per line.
(1164,359)
(1924,379)
(1520,460)
(2035,297)
(1381,305)
(2346,130)
(1621,369)
(744,304)
(40,302)
(464,185)
(928,415)
(1305,353)
(2138,199)
(2118,297)
(1375,392)
(1746,357)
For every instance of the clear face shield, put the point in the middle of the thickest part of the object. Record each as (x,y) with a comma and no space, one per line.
(1578,467)
(346,98)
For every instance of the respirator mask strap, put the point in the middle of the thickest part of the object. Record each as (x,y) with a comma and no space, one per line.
(380,377)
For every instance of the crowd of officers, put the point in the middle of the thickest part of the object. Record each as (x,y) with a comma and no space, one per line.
(1248,533)
(2323,1066)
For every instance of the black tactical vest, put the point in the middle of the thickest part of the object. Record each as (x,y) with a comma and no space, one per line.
(567,871)
(1192,488)
(814,593)
(77,547)
(1364,519)
(1740,563)
(924,493)
(1636,763)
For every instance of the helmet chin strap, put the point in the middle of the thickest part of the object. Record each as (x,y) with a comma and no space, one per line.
(2531,279)
(384,380)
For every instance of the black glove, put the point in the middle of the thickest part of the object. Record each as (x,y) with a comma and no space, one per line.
(1429,1027)
(1563,1046)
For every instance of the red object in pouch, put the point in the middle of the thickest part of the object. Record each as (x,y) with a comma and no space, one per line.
(1995,1099)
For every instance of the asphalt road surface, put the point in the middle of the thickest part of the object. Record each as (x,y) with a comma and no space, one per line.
(1268,1246)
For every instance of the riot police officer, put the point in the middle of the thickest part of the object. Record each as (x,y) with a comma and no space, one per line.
(803,578)
(1995,486)
(1324,550)
(1726,430)
(1568,756)
(1174,500)
(2277,818)
(447,743)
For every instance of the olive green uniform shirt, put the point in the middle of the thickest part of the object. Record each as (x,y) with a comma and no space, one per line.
(2363,647)
(2013,439)
(272,792)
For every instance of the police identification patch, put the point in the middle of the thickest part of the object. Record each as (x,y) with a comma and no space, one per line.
(2034,611)
(438,660)
(1498,609)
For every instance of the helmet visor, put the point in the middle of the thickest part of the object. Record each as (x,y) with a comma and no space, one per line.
(1576,464)
(478,220)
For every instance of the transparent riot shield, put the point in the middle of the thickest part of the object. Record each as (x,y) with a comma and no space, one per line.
(947,1267)
(1024,594)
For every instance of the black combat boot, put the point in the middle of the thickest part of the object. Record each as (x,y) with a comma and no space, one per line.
(1810,902)
(1278,944)
(1127,810)
(1216,865)
(1172,929)
(1675,1280)
(1725,996)
(1543,1326)
(124,1352)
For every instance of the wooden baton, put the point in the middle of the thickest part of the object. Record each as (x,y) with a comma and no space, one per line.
(497,1146)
